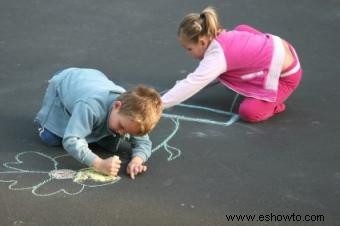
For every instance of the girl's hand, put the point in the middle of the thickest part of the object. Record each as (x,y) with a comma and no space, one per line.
(135,167)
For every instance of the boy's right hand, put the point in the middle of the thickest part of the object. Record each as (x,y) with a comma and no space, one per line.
(109,166)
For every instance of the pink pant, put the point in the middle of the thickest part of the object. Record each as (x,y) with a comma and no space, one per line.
(254,110)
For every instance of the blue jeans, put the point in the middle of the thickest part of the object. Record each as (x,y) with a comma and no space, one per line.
(48,137)
(110,143)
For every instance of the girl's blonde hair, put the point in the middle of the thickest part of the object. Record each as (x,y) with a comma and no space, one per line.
(194,25)
(143,105)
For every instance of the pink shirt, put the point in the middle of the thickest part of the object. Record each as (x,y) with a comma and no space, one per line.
(245,60)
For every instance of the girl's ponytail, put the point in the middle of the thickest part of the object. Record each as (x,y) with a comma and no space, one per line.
(210,21)
(195,25)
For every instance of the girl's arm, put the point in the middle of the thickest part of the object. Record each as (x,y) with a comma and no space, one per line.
(212,66)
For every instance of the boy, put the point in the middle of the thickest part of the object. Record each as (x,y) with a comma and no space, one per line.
(83,106)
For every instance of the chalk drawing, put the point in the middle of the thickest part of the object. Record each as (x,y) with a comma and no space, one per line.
(47,176)
(16,170)
(176,152)
(91,174)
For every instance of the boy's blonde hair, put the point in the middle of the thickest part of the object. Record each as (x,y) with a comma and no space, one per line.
(143,105)
(194,25)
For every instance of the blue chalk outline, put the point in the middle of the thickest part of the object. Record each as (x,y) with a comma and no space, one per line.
(175,119)
(233,117)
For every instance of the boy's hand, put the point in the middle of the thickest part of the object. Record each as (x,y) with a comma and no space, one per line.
(135,167)
(109,166)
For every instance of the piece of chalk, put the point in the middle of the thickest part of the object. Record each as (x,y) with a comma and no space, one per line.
(116,157)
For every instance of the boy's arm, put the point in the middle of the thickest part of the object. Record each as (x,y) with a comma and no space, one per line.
(141,151)
(78,148)
(141,147)
(79,126)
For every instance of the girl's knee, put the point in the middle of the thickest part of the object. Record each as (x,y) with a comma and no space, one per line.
(250,113)
(249,116)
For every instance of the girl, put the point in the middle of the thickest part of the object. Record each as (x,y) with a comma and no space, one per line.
(262,67)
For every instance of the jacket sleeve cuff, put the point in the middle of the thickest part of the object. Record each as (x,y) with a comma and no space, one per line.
(140,154)
(78,148)
(89,159)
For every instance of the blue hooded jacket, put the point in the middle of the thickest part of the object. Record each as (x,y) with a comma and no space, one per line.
(76,107)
